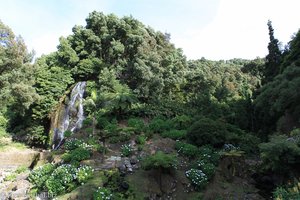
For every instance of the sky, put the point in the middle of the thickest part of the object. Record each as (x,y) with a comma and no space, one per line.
(213,29)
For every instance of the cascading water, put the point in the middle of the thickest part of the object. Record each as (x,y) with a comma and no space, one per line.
(72,115)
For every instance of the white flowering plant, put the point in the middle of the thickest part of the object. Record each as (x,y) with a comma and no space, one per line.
(198,178)
(103,194)
(60,179)
(84,173)
(126,150)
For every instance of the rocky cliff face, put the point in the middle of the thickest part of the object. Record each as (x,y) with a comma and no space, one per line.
(68,116)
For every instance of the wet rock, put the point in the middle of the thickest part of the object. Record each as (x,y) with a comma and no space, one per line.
(133,160)
(128,165)
(122,168)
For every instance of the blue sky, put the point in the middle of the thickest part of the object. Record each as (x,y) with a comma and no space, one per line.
(214,29)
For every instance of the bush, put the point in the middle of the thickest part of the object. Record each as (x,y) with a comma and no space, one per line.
(58,180)
(187,150)
(36,136)
(206,167)
(84,173)
(216,133)
(209,155)
(126,150)
(137,124)
(87,122)
(158,125)
(39,176)
(182,122)
(160,160)
(141,139)
(102,122)
(72,144)
(67,133)
(174,134)
(54,186)
(76,155)
(290,192)
(103,194)
(197,177)
(281,154)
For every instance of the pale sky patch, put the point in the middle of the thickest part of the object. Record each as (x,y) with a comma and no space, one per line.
(214,29)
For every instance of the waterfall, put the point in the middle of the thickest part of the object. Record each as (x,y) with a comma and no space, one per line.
(71,117)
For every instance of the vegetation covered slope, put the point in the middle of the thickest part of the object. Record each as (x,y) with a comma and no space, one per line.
(134,71)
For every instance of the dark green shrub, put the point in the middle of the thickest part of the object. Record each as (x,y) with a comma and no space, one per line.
(67,133)
(159,125)
(141,139)
(54,186)
(186,149)
(217,133)
(89,130)
(160,160)
(36,136)
(182,121)
(209,155)
(39,176)
(126,150)
(73,143)
(102,194)
(137,124)
(87,122)
(102,122)
(59,180)
(198,178)
(281,154)
(174,134)
(291,191)
(76,155)
(113,139)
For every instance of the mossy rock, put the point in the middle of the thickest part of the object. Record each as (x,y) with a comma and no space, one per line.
(85,191)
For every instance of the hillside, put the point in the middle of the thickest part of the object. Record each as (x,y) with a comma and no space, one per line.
(118,112)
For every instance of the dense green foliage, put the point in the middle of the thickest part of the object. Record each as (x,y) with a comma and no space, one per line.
(59,179)
(139,83)
(160,161)
(279,150)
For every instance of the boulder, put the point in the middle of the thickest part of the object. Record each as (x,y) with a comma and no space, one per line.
(13,158)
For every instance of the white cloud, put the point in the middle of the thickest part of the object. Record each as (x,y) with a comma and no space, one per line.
(240,29)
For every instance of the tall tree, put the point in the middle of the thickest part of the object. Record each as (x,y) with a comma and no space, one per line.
(273,59)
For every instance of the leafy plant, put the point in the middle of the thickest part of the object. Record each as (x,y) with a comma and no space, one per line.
(141,139)
(84,173)
(175,134)
(136,123)
(87,122)
(287,192)
(72,144)
(76,155)
(102,194)
(186,149)
(10,177)
(39,176)
(159,125)
(197,177)
(126,150)
(209,155)
(281,154)
(67,133)
(59,180)
(182,121)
